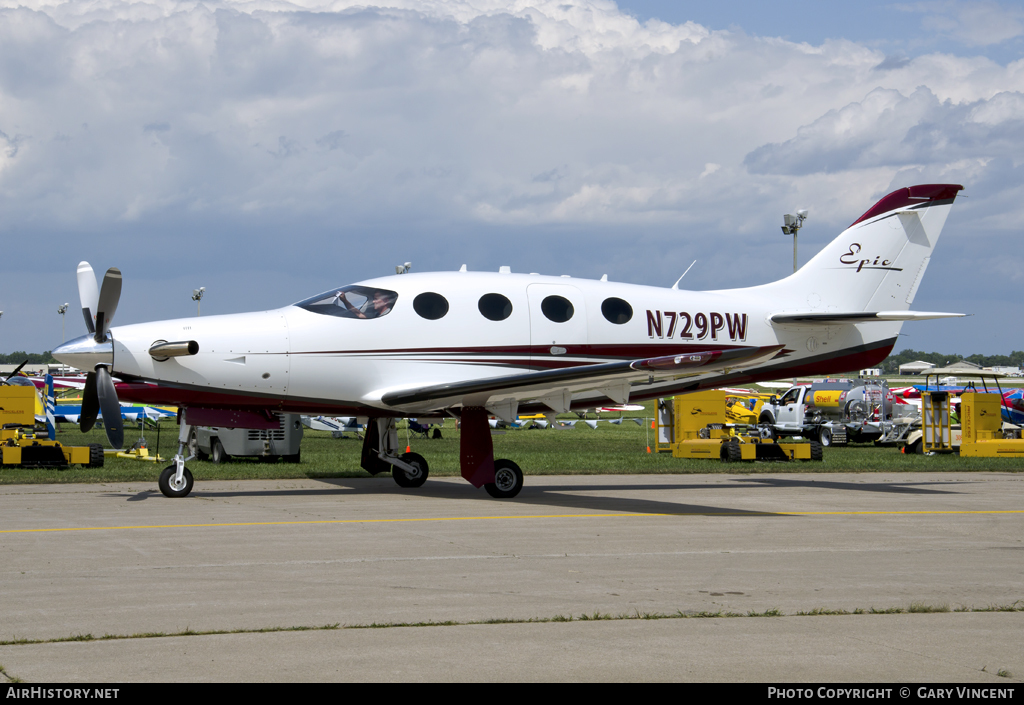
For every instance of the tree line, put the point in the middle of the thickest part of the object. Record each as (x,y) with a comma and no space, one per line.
(18,357)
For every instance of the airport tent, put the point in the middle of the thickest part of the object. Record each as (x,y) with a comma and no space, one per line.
(915,368)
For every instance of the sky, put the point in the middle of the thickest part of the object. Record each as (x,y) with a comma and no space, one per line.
(270,150)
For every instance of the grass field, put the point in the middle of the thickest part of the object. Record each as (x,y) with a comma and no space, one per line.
(575,451)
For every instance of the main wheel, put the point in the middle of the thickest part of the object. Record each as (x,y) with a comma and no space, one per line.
(508,480)
(172,489)
(767,432)
(95,455)
(217,453)
(193,447)
(825,437)
(417,478)
(915,448)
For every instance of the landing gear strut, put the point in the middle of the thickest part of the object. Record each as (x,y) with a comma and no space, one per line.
(176,480)
(380,454)
(501,478)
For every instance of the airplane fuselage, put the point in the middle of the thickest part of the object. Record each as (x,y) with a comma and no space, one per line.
(294,359)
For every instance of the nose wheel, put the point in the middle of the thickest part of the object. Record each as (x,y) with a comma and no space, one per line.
(508,480)
(172,487)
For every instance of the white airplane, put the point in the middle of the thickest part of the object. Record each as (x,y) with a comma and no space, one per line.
(470,344)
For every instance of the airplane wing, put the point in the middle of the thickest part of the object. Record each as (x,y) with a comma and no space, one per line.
(816,318)
(554,388)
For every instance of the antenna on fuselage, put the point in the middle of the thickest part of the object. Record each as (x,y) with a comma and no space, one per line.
(676,285)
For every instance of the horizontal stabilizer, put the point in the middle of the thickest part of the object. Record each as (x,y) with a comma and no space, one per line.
(812,318)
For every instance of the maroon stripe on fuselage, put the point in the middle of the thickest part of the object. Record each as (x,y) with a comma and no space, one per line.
(616,351)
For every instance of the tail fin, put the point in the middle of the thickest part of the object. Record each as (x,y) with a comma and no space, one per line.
(877,263)
(51,430)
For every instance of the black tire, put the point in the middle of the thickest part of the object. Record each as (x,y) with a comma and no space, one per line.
(816,451)
(402,479)
(767,432)
(166,478)
(916,448)
(217,453)
(508,480)
(95,455)
(193,447)
(825,437)
(731,452)
(292,458)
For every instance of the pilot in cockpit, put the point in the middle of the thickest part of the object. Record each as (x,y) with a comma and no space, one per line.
(380,304)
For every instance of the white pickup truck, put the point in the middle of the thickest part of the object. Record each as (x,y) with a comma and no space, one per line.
(833,412)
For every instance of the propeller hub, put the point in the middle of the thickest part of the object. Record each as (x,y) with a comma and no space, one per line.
(85,353)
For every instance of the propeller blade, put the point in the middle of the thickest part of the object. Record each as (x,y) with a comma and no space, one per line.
(16,370)
(112,421)
(90,404)
(88,294)
(110,293)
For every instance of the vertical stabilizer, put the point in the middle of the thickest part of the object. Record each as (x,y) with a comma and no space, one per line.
(878,262)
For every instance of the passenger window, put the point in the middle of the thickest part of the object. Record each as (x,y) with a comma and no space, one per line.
(616,310)
(557,308)
(430,305)
(495,307)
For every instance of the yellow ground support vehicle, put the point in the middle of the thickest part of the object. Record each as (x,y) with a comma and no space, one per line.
(22,446)
(981,428)
(981,431)
(701,430)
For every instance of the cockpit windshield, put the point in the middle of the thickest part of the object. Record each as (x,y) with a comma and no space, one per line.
(352,302)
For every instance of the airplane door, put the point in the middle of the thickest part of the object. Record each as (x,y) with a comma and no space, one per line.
(558,322)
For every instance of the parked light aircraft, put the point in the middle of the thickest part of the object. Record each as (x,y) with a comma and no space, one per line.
(468,344)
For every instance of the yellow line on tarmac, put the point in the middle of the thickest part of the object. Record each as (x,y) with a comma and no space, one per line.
(487,518)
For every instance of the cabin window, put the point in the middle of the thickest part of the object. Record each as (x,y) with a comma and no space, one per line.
(352,302)
(557,308)
(495,307)
(430,305)
(616,310)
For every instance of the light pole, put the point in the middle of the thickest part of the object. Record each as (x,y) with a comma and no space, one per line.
(62,310)
(197,296)
(793,223)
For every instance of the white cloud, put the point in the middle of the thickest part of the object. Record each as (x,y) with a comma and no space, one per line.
(225,120)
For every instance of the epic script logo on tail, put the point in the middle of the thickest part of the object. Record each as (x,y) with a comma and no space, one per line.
(851,255)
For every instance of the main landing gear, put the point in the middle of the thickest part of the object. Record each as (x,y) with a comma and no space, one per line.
(502,478)
(380,454)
